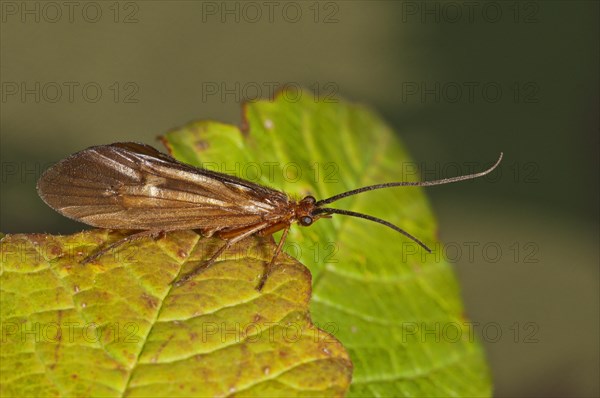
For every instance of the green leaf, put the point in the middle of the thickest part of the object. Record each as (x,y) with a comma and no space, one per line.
(116,327)
(394,307)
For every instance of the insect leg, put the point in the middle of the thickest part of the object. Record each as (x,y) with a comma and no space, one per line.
(138,235)
(228,243)
(272,262)
(186,277)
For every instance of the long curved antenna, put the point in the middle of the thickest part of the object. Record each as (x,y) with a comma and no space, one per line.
(412,184)
(328,210)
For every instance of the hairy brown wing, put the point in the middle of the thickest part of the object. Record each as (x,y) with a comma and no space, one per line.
(134,186)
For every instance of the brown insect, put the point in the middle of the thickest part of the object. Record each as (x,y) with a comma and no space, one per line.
(134,186)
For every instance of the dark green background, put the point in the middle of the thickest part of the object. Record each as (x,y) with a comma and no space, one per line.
(542,213)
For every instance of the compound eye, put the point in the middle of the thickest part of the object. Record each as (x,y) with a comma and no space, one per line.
(306,221)
(310,199)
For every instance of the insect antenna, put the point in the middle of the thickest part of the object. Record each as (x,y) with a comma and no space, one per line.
(327,210)
(410,184)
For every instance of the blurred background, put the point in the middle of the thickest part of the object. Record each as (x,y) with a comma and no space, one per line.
(458,81)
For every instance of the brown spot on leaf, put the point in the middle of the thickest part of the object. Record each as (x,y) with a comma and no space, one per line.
(154,359)
(151,301)
(201,145)
(56,251)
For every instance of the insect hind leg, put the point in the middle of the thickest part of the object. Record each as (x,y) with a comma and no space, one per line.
(155,234)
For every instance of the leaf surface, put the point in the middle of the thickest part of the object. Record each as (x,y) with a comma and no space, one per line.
(116,327)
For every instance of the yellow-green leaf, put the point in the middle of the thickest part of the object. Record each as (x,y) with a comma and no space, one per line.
(116,327)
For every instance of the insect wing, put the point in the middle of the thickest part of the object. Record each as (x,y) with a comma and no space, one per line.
(134,186)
